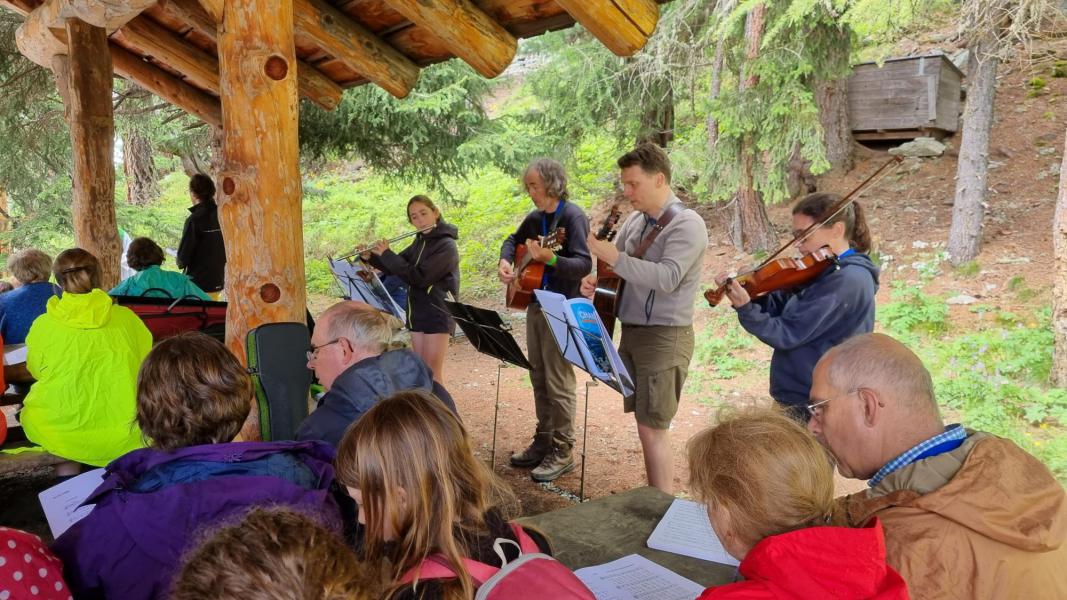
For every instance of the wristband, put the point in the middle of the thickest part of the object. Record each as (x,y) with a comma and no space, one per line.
(552,261)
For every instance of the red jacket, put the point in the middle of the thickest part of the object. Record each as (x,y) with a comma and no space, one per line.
(818,562)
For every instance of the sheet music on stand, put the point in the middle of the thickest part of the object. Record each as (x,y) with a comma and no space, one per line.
(583,340)
(358,282)
(488,333)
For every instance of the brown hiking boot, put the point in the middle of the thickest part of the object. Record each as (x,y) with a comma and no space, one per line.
(535,453)
(556,463)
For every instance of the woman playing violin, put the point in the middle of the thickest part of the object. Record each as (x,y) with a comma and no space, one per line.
(802,323)
(430,267)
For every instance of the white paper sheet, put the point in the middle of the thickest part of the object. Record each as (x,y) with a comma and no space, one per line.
(634,577)
(14,354)
(61,503)
(686,529)
(371,292)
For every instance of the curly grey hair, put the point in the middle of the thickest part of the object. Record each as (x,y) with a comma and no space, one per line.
(552,175)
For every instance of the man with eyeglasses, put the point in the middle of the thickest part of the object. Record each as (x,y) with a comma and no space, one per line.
(348,354)
(966,514)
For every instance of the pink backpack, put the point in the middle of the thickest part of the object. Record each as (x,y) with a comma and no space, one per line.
(532,575)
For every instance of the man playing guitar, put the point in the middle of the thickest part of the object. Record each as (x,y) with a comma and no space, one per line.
(552,376)
(659,253)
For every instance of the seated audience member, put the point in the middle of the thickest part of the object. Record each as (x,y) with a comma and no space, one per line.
(146,257)
(350,361)
(409,464)
(274,554)
(769,488)
(20,307)
(84,353)
(192,399)
(28,569)
(966,514)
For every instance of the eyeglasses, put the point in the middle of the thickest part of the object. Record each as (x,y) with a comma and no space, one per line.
(314,351)
(815,409)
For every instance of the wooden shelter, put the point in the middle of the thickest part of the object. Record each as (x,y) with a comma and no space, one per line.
(242,65)
(905,98)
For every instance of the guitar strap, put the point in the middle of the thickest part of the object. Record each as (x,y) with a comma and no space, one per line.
(661,224)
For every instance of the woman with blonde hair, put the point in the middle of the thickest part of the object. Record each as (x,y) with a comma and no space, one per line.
(769,488)
(409,465)
(84,352)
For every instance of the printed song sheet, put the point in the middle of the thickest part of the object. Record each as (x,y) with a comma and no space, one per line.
(634,577)
(686,529)
(62,503)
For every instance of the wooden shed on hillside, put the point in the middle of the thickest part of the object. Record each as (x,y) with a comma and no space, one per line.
(242,65)
(905,98)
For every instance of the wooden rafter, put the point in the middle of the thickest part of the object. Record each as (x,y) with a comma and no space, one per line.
(359,49)
(471,34)
(624,26)
(172,89)
(313,84)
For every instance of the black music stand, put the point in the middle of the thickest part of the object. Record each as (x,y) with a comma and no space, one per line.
(570,339)
(490,335)
(369,290)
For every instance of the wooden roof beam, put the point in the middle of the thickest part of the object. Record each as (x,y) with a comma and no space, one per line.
(311,82)
(168,87)
(624,26)
(466,30)
(347,41)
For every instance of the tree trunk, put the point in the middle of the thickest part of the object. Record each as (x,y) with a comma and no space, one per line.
(1059,283)
(657,120)
(259,199)
(750,228)
(798,177)
(84,79)
(716,85)
(142,178)
(832,100)
(972,171)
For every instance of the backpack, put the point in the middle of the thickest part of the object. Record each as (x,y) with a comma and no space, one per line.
(533,574)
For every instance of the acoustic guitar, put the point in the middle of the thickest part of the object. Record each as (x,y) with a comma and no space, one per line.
(528,272)
(608,284)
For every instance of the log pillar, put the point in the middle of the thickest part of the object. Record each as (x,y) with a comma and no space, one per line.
(259,183)
(84,79)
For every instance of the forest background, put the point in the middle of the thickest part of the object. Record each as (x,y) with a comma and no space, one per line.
(748,98)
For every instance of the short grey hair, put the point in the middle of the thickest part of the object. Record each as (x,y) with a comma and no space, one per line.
(30,265)
(881,363)
(552,175)
(361,324)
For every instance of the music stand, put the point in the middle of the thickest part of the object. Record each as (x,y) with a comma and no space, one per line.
(358,282)
(606,367)
(490,335)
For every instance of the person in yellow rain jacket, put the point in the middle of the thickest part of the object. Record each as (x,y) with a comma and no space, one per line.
(84,352)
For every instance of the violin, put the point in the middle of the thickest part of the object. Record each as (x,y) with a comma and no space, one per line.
(776,273)
(779,274)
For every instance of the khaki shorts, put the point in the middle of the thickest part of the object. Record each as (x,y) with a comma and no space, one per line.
(657,357)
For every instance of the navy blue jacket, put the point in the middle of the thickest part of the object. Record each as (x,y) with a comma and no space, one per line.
(573,260)
(361,386)
(803,324)
(21,306)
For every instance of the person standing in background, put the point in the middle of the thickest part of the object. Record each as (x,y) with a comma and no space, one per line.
(201,253)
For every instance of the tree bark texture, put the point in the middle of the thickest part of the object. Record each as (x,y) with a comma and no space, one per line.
(85,81)
(142,178)
(259,184)
(716,86)
(1059,283)
(622,26)
(750,228)
(832,99)
(972,170)
(657,118)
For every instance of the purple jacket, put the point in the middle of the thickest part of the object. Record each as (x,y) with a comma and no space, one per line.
(154,506)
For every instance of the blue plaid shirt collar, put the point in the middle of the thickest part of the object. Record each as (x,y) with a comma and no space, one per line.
(953,433)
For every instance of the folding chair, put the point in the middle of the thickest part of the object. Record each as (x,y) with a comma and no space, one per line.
(277,361)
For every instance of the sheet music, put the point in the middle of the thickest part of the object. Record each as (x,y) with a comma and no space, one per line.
(634,577)
(554,305)
(686,529)
(354,287)
(62,503)
(14,354)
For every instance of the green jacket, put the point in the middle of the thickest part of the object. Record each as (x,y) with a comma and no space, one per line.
(174,284)
(84,352)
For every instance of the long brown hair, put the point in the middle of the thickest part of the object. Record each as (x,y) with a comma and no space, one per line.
(425,201)
(762,467)
(77,271)
(819,204)
(412,442)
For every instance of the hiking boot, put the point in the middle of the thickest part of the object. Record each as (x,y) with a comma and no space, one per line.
(535,453)
(556,463)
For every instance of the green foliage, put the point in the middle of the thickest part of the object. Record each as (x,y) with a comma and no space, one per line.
(968,269)
(1059,68)
(912,312)
(418,137)
(717,353)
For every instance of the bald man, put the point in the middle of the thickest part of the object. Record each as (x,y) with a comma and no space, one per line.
(966,514)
